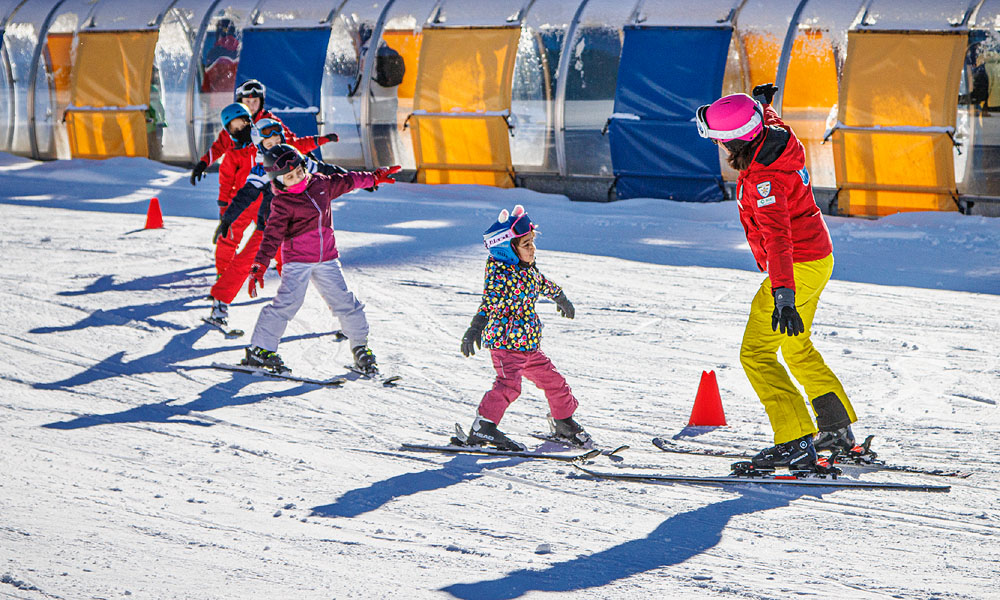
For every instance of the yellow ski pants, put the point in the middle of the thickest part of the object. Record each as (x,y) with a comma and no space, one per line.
(790,418)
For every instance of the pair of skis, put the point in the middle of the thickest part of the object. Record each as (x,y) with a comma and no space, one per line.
(762,477)
(384,380)
(459,445)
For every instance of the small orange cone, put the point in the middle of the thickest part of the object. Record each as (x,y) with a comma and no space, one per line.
(707,411)
(154,219)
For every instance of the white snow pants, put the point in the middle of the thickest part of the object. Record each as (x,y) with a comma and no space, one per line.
(329,280)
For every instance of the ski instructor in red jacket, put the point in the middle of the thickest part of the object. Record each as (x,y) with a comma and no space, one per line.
(790,242)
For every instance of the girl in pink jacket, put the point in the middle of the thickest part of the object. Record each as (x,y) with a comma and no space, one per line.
(301,224)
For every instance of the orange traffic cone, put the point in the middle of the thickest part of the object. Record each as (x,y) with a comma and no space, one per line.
(154,218)
(707,411)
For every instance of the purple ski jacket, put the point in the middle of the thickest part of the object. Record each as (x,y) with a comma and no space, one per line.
(302,224)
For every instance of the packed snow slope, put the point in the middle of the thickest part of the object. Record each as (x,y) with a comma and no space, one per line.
(131,468)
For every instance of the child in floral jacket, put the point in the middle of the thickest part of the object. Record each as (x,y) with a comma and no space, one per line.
(508,325)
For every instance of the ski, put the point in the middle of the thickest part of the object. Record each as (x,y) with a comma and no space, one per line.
(861,463)
(334,382)
(591,446)
(229,333)
(482,450)
(768,479)
(385,380)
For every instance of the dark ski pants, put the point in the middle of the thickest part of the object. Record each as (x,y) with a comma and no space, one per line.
(511,366)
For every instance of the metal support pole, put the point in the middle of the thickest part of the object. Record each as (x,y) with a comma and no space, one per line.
(192,78)
(367,143)
(560,101)
(786,56)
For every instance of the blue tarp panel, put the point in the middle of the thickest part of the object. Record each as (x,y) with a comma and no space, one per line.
(289,62)
(665,74)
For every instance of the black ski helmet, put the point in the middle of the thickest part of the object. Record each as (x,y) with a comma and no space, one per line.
(281,159)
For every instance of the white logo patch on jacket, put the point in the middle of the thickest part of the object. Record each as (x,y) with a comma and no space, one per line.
(764,189)
(765,201)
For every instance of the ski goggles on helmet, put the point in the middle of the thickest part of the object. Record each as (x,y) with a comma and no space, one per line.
(270,129)
(251,88)
(521,227)
(280,160)
(721,134)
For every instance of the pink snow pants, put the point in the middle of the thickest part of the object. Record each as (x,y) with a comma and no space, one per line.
(510,366)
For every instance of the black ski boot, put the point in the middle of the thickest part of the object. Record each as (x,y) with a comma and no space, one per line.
(264,359)
(220,313)
(796,455)
(485,433)
(569,430)
(364,360)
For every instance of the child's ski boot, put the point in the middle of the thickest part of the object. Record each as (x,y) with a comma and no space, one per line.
(485,433)
(568,430)
(220,314)
(264,359)
(364,360)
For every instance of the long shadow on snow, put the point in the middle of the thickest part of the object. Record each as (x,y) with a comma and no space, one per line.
(220,395)
(363,500)
(106,283)
(122,315)
(180,348)
(679,538)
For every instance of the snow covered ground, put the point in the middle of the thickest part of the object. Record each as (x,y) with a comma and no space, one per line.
(130,469)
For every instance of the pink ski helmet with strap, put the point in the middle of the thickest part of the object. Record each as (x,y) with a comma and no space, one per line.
(733,117)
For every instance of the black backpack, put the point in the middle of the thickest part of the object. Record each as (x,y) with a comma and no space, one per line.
(389,67)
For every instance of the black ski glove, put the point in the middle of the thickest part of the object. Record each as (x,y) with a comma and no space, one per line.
(764,93)
(221,231)
(473,337)
(199,171)
(785,315)
(564,306)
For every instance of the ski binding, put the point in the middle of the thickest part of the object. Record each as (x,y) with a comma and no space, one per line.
(229,333)
(385,380)
(286,374)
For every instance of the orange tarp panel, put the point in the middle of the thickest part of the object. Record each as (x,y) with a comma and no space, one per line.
(811,81)
(59,60)
(763,52)
(112,75)
(407,43)
(107,133)
(464,75)
(451,145)
(898,79)
(810,93)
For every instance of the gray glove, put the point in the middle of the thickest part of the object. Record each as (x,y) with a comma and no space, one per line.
(473,337)
(785,315)
(564,306)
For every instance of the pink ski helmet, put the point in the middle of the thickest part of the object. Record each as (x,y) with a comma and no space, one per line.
(733,117)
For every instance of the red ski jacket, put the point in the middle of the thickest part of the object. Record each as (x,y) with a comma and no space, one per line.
(778,211)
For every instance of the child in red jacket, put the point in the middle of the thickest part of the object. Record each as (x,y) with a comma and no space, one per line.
(508,325)
(301,223)
(791,243)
